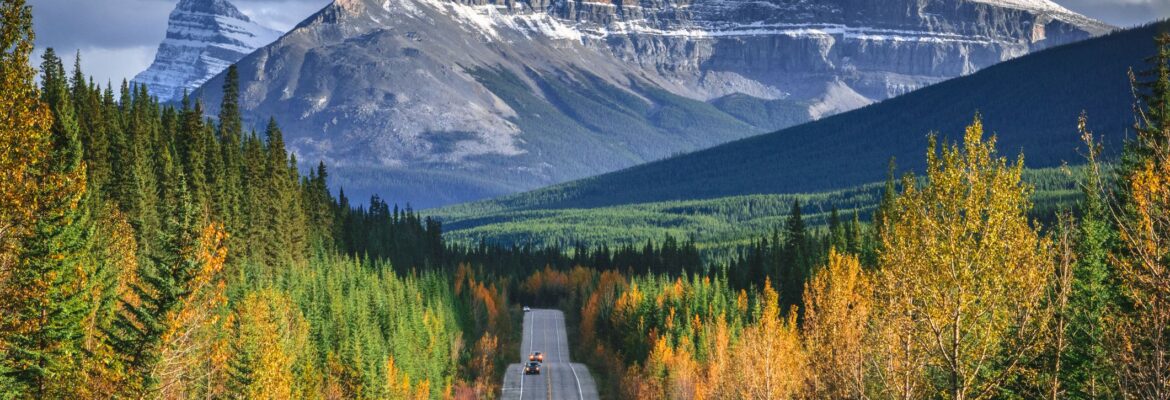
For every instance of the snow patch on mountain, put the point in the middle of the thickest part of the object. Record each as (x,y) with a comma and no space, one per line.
(1031,5)
(203,38)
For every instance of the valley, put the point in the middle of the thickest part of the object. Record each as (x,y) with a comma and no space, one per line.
(652,199)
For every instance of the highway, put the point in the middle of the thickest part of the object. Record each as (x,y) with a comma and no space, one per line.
(544,331)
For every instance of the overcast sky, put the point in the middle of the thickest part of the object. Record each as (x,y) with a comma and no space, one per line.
(118,38)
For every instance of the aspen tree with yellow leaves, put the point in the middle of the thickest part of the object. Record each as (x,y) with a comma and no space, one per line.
(838,302)
(780,364)
(25,123)
(963,273)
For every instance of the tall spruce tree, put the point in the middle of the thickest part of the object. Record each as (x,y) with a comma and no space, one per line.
(1093,300)
(796,258)
(230,190)
(42,315)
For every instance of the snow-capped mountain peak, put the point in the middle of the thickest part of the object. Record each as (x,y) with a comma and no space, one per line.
(203,38)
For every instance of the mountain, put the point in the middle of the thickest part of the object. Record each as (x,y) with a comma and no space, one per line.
(1031,104)
(203,38)
(441,101)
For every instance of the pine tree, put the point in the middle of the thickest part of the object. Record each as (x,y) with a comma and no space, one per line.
(838,236)
(258,233)
(87,106)
(114,272)
(796,256)
(40,317)
(191,146)
(283,211)
(230,190)
(1087,372)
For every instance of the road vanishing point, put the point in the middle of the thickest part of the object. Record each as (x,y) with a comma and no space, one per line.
(560,378)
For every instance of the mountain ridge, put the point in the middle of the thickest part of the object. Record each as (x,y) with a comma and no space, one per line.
(435,102)
(1027,103)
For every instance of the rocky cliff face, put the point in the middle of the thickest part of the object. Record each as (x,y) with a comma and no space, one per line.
(203,38)
(439,101)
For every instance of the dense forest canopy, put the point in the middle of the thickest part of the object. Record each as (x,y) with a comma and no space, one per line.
(147,251)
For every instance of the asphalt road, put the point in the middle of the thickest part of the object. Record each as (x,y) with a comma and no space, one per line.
(544,331)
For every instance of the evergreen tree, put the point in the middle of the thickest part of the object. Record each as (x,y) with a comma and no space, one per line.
(257,234)
(796,258)
(91,128)
(838,236)
(137,332)
(1094,296)
(192,148)
(43,314)
(230,190)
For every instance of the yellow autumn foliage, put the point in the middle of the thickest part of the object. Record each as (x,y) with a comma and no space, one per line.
(838,302)
(963,274)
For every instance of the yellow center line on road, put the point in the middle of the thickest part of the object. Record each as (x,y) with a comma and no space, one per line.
(544,370)
(548,384)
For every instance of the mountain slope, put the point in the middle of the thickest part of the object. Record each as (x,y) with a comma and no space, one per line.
(203,38)
(436,101)
(1030,103)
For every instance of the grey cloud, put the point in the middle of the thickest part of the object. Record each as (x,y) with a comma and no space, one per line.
(122,23)
(99,23)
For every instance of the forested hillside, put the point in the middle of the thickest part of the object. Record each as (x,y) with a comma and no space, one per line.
(149,252)
(718,226)
(1030,104)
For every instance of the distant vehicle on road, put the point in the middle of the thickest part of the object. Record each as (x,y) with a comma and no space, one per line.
(537,357)
(526,309)
(533,368)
